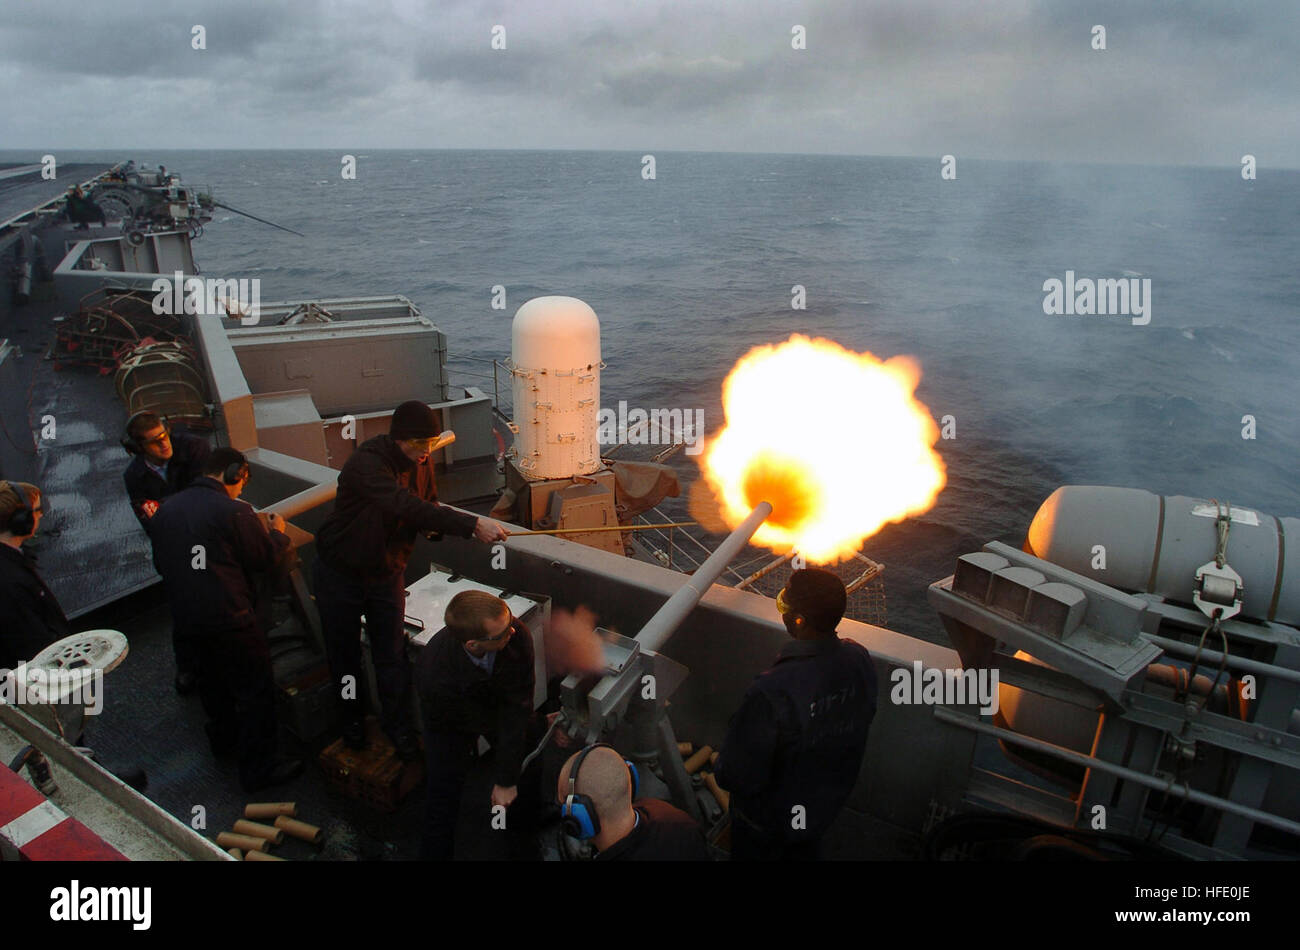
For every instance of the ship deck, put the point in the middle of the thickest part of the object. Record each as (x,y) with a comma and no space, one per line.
(90,547)
(22,187)
(145,723)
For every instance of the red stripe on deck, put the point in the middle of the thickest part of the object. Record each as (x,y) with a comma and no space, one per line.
(16,796)
(68,840)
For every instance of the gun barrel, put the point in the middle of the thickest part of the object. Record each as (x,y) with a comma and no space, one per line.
(662,625)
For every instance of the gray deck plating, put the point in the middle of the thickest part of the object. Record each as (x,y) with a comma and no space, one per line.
(20,193)
(90,547)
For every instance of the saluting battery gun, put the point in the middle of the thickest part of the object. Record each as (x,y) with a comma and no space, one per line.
(594,707)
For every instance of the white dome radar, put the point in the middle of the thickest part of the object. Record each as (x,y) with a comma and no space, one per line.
(555,382)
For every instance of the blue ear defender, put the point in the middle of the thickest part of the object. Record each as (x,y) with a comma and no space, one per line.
(579,818)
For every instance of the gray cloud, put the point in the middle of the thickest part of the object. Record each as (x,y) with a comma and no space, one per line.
(143,39)
(1189,82)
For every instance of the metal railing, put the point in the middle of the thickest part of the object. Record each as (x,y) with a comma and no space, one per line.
(687,560)
(675,555)
(499,369)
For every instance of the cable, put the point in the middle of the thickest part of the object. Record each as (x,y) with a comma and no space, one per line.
(1181,695)
(541,745)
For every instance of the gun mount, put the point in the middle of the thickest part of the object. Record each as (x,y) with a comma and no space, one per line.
(631,696)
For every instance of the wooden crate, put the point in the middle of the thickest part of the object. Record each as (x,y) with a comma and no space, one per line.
(374,775)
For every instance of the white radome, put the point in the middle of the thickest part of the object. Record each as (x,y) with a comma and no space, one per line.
(555,357)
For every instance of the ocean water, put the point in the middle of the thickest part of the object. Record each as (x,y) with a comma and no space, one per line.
(690,270)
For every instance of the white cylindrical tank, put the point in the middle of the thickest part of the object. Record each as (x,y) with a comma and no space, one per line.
(555,375)
(1152,543)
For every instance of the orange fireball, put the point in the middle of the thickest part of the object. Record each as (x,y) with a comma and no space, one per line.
(835,440)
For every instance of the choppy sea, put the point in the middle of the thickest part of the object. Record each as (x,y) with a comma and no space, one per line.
(691,269)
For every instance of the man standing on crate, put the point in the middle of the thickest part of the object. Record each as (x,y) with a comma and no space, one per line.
(386,495)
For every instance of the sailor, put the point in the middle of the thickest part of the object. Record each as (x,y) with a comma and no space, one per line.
(794,748)
(163,463)
(32,618)
(82,210)
(475,678)
(207,546)
(386,495)
(596,791)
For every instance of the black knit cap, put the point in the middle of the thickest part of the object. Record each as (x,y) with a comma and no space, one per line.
(413,420)
(818,595)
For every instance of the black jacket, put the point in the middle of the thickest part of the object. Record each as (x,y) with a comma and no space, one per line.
(664,833)
(30,618)
(143,484)
(799,736)
(457,696)
(220,594)
(384,500)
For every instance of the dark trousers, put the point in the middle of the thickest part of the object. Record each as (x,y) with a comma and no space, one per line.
(186,650)
(448,757)
(749,842)
(342,599)
(237,689)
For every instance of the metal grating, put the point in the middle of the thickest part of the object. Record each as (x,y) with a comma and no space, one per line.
(863,579)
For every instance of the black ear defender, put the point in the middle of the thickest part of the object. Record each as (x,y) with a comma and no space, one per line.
(579,819)
(22,520)
(234,472)
(128,440)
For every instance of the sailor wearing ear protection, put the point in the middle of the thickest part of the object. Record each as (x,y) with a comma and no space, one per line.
(164,461)
(30,617)
(597,792)
(209,545)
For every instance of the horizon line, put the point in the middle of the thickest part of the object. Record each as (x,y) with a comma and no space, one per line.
(672,151)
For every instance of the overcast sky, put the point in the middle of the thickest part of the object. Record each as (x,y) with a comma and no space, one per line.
(1180,81)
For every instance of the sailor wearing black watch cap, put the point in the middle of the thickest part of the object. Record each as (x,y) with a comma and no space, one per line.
(386,496)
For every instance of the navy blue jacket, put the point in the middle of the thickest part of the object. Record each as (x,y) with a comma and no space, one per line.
(220,595)
(663,833)
(30,618)
(456,696)
(799,736)
(143,484)
(384,499)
